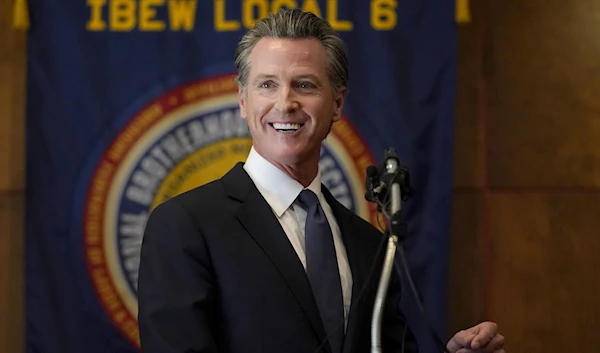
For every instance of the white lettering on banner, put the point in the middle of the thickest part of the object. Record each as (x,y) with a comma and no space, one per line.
(333,178)
(177,145)
(131,234)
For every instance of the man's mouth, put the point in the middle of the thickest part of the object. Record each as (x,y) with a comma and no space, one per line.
(286,127)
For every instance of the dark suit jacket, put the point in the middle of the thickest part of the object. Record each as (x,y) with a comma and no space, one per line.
(218,274)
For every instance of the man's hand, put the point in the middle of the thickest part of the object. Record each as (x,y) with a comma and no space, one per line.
(483,338)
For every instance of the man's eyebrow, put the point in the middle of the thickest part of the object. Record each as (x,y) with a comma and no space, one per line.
(261,77)
(308,76)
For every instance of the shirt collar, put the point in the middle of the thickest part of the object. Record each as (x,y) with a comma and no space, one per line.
(279,189)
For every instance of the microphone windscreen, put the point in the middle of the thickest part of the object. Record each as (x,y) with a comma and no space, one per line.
(371,171)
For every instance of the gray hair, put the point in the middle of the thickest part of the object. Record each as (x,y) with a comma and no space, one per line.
(294,24)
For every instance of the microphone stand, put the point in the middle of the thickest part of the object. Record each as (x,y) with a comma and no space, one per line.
(392,180)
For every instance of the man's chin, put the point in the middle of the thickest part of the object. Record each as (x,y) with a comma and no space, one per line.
(291,156)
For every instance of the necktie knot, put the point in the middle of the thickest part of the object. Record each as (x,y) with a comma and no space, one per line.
(310,202)
(308,198)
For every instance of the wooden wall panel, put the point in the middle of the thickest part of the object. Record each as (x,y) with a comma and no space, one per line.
(544,88)
(12,182)
(545,282)
(12,158)
(11,274)
(468,147)
(539,115)
(12,102)
(467,276)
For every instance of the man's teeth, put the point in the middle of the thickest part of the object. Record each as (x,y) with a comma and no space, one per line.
(286,127)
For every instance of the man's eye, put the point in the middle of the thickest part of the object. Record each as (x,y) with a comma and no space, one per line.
(267,84)
(306,85)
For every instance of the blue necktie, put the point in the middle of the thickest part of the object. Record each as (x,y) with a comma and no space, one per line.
(322,269)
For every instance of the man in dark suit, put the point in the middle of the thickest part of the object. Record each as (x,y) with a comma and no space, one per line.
(265,259)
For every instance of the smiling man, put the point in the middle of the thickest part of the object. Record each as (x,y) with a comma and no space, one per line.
(265,259)
(290,103)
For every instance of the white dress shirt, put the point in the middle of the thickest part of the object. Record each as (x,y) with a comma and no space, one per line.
(280,191)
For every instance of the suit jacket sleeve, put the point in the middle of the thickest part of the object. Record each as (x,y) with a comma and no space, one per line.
(175,286)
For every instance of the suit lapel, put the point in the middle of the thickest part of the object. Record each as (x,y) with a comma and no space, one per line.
(258,219)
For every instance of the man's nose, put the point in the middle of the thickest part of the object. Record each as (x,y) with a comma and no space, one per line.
(287,101)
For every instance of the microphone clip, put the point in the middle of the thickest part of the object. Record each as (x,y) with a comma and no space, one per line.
(380,178)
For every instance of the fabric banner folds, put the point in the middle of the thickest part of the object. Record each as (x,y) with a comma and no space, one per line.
(131,102)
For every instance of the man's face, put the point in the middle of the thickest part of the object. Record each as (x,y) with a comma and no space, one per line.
(289,102)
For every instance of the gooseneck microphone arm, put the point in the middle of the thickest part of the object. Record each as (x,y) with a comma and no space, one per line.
(388,186)
(390,180)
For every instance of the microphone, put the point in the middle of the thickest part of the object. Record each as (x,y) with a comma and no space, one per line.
(392,178)
(380,185)
(387,186)
(373,185)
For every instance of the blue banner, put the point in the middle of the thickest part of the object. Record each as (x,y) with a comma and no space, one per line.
(130,102)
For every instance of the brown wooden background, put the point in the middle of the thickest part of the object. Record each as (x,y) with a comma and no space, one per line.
(526,225)
(526,222)
(12,181)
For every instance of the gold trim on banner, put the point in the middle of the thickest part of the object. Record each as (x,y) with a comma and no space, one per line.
(463,12)
(20,15)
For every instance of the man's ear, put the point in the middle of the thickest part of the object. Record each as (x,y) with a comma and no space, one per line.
(338,103)
(242,102)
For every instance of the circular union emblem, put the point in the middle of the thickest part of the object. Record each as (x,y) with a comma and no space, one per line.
(183,139)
